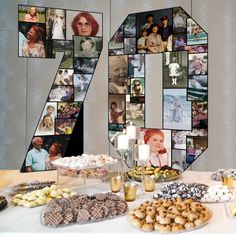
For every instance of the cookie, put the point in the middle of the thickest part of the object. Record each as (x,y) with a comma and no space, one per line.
(83,216)
(53,218)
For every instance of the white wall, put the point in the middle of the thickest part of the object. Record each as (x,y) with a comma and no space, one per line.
(25,83)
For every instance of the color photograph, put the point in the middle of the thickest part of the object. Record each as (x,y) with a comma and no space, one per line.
(135,112)
(83,23)
(195,34)
(177,110)
(160,146)
(117,109)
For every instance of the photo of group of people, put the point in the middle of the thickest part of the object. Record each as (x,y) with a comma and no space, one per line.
(64,77)
(45,31)
(195,147)
(55,115)
(184,47)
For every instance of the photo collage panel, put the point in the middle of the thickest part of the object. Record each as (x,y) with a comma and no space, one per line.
(78,35)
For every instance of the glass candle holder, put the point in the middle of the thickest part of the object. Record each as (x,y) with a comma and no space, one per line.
(227,180)
(130,190)
(115,183)
(149,183)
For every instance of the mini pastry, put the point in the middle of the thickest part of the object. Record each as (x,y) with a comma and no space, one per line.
(180,220)
(140,214)
(149,219)
(192,217)
(165,221)
(177,227)
(137,223)
(164,228)
(147,227)
(189,225)
(198,222)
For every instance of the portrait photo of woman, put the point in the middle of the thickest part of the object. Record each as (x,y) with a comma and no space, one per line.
(83,24)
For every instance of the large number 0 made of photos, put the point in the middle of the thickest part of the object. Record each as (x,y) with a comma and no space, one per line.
(44,31)
(183,44)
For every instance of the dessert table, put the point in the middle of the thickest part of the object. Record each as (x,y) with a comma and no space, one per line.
(21,220)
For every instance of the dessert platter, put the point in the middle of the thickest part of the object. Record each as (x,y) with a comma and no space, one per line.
(169,216)
(217,175)
(28,187)
(162,174)
(85,161)
(41,196)
(3,203)
(195,191)
(82,209)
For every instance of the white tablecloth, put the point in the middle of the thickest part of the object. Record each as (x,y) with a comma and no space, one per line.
(19,220)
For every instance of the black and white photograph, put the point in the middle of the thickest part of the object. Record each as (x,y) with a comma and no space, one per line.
(87,46)
(175,69)
(81,84)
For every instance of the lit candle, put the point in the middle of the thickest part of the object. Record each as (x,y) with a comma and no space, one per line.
(123,142)
(131,131)
(144,152)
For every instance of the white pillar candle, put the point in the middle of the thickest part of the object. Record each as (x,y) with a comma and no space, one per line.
(123,142)
(131,131)
(144,152)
